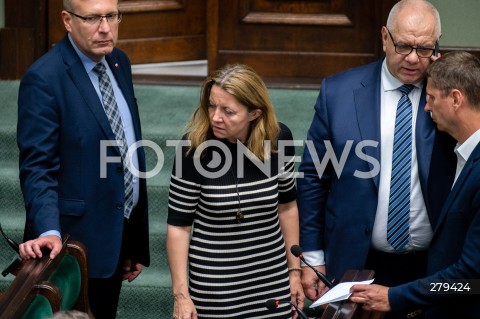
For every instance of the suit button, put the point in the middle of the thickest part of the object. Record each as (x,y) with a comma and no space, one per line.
(119,206)
(119,169)
(367,231)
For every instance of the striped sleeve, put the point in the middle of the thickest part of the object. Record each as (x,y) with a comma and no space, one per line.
(184,192)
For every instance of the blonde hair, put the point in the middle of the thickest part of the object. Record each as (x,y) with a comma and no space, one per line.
(243,83)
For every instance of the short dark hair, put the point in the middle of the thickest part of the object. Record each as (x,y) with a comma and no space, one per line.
(457,70)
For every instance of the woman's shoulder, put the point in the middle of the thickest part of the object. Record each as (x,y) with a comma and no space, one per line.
(285,132)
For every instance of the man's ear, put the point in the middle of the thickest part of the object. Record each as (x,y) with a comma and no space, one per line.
(457,99)
(67,18)
(384,33)
(253,115)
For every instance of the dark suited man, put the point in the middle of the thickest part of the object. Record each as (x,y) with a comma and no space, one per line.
(76,120)
(453,99)
(344,213)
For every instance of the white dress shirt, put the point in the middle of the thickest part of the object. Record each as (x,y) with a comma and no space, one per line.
(464,150)
(420,229)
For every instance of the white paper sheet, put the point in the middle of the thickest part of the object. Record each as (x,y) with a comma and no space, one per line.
(339,292)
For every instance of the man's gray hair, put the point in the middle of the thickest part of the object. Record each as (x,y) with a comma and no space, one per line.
(68,5)
(416,3)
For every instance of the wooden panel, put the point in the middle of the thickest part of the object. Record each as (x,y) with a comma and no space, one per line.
(152,30)
(296,40)
(16,59)
(24,37)
(306,13)
(56,29)
(286,41)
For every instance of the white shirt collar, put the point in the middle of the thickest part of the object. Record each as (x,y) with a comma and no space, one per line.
(391,83)
(465,149)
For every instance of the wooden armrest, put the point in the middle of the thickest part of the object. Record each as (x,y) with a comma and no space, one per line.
(45,278)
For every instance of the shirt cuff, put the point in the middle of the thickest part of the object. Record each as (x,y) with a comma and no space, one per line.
(51,232)
(314,258)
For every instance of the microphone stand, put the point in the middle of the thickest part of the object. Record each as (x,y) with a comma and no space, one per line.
(16,260)
(272,304)
(297,251)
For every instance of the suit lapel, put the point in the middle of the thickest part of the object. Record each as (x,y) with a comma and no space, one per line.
(80,78)
(117,68)
(471,162)
(367,105)
(424,140)
(122,77)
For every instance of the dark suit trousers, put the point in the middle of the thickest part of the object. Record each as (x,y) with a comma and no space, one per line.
(104,293)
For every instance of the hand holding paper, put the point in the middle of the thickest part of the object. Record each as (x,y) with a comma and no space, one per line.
(338,293)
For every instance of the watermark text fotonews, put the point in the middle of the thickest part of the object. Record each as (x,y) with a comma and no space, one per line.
(221,158)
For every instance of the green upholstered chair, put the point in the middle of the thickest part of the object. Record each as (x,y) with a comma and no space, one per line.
(45,286)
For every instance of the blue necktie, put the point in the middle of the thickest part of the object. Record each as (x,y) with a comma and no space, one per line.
(399,204)
(113,114)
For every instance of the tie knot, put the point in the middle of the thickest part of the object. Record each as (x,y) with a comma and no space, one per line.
(99,69)
(406,88)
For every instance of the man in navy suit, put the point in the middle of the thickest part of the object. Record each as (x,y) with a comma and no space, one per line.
(452,287)
(343,205)
(71,164)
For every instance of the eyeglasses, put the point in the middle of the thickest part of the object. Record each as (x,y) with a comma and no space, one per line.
(404,49)
(111,18)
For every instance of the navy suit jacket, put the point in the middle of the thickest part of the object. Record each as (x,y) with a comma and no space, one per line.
(61,122)
(337,213)
(454,253)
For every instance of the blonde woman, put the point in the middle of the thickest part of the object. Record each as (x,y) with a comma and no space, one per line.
(232,206)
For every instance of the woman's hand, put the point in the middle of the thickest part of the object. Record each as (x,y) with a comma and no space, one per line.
(183,307)
(296,290)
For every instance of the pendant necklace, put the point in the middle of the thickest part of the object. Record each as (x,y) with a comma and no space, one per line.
(239,215)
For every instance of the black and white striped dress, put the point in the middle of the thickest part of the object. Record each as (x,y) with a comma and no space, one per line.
(234,266)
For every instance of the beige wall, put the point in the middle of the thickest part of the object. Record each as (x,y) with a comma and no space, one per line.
(460,22)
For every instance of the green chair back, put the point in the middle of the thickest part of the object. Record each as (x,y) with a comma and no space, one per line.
(68,279)
(39,308)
